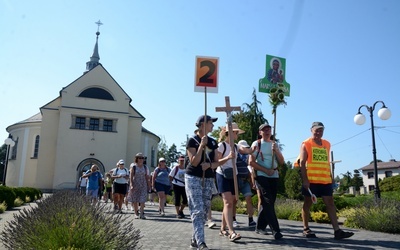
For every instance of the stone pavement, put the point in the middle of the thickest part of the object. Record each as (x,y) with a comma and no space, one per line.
(171,233)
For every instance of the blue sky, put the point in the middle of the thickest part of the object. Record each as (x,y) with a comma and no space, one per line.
(339,55)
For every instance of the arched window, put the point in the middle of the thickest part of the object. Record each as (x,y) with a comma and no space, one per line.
(96,93)
(36,149)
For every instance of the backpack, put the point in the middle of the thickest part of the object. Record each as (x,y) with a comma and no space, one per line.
(134,169)
(241,164)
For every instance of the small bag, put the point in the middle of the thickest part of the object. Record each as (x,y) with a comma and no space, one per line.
(228,173)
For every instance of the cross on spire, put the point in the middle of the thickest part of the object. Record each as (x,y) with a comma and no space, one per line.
(99,23)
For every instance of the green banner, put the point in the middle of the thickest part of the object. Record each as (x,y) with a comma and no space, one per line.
(274,75)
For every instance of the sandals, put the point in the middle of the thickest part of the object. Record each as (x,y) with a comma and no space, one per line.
(223,233)
(308,233)
(234,237)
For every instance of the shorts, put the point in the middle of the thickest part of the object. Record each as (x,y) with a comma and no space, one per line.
(224,185)
(244,187)
(318,189)
(93,193)
(162,188)
(120,188)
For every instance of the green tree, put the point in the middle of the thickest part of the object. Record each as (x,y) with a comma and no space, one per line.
(357,180)
(172,155)
(253,116)
(162,149)
(293,184)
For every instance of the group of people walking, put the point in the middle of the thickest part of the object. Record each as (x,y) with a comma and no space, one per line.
(209,159)
(212,162)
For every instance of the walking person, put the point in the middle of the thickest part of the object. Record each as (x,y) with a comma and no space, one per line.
(177,177)
(224,176)
(265,162)
(245,184)
(199,177)
(108,188)
(94,176)
(316,176)
(82,183)
(139,185)
(120,176)
(162,184)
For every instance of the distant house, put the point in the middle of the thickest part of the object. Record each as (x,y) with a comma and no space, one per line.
(91,121)
(385,169)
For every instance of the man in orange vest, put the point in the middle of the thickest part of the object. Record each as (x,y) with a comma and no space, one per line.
(317,179)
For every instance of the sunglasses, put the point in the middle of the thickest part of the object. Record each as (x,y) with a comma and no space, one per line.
(162,161)
(140,158)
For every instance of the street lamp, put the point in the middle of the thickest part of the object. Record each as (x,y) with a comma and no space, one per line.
(10,143)
(383,113)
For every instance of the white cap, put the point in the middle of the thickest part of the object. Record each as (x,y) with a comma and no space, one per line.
(243,143)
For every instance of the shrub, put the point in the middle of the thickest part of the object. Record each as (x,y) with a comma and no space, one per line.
(3,207)
(7,194)
(217,203)
(293,184)
(320,217)
(68,221)
(296,216)
(381,217)
(18,202)
(284,208)
(20,193)
(390,184)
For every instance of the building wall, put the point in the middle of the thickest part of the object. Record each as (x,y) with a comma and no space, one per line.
(368,182)
(64,150)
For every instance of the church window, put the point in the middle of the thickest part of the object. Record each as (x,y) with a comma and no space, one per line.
(96,93)
(80,122)
(107,125)
(94,124)
(36,149)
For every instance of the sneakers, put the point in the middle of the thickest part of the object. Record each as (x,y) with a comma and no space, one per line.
(235,224)
(203,246)
(261,231)
(162,213)
(278,235)
(340,234)
(136,216)
(193,244)
(182,214)
(252,224)
(115,207)
(179,216)
(210,224)
(132,209)
(142,217)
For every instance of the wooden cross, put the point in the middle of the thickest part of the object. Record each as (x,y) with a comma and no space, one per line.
(228,109)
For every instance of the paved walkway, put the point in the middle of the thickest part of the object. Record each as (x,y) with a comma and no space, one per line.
(171,233)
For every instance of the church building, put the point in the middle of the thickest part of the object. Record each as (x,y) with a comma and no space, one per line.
(90,122)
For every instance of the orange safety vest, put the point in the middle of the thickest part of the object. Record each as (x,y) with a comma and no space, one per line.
(318,167)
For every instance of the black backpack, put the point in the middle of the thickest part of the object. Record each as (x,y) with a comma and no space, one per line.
(241,164)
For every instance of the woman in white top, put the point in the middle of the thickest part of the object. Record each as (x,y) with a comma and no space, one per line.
(225,183)
(120,175)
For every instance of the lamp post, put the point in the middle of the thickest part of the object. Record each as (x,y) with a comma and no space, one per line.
(383,113)
(10,143)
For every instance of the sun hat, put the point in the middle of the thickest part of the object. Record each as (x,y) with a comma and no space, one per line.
(235,127)
(161,159)
(139,155)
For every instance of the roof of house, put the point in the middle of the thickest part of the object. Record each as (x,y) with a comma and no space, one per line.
(392,164)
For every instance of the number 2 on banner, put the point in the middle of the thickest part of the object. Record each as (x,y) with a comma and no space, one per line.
(206,74)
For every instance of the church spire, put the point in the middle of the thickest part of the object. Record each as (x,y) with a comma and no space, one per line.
(95,58)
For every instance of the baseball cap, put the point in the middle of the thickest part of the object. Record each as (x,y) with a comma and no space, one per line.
(317,125)
(161,159)
(121,162)
(262,126)
(203,118)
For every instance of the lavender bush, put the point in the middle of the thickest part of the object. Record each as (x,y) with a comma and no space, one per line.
(66,220)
